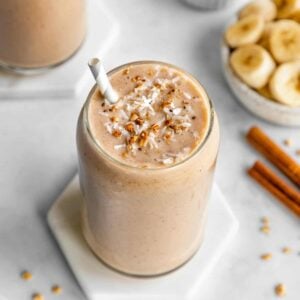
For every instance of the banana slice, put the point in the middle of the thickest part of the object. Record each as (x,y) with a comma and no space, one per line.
(296,16)
(265,38)
(286,8)
(265,92)
(285,83)
(253,64)
(266,8)
(245,31)
(285,41)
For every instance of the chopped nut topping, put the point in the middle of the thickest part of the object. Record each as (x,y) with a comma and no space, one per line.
(143,135)
(37,296)
(168,136)
(125,154)
(150,73)
(56,289)
(143,139)
(266,256)
(265,220)
(280,290)
(265,229)
(139,121)
(286,250)
(166,103)
(155,128)
(126,72)
(133,116)
(114,119)
(26,275)
(288,142)
(176,128)
(113,108)
(132,139)
(168,122)
(143,142)
(136,78)
(129,127)
(117,133)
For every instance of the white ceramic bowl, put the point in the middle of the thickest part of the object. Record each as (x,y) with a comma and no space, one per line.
(211,4)
(260,106)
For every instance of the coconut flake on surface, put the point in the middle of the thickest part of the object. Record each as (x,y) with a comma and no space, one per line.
(119,146)
(187,95)
(177,111)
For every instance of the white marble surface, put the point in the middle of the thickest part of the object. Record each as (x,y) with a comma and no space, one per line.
(100,282)
(38,158)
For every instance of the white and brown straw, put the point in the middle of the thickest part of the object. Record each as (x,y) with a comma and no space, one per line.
(102,80)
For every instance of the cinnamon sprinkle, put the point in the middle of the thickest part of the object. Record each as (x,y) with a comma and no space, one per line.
(117,133)
(129,127)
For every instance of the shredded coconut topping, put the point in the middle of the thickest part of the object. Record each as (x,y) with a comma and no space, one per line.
(149,115)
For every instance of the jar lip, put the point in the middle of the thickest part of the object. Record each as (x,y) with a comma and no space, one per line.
(211,117)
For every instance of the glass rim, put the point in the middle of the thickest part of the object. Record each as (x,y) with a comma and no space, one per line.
(211,117)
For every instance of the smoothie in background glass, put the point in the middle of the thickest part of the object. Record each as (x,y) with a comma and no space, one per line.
(40,33)
(146,168)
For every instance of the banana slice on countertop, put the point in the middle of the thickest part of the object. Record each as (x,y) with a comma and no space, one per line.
(253,64)
(285,83)
(266,8)
(286,8)
(284,41)
(245,31)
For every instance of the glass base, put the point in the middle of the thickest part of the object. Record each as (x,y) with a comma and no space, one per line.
(27,71)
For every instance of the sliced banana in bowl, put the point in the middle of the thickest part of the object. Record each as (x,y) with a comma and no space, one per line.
(286,8)
(284,41)
(266,8)
(257,100)
(285,84)
(261,59)
(246,31)
(253,64)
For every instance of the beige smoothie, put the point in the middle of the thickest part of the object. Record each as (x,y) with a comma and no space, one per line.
(40,33)
(146,168)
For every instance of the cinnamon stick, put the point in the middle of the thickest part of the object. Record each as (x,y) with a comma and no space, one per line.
(275,154)
(275,185)
(279,183)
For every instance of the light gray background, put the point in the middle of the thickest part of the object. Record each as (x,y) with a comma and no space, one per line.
(38,158)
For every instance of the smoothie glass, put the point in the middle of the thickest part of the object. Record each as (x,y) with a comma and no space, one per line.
(144,221)
(39,34)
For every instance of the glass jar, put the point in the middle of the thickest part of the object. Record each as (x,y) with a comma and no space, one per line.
(39,34)
(145,221)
